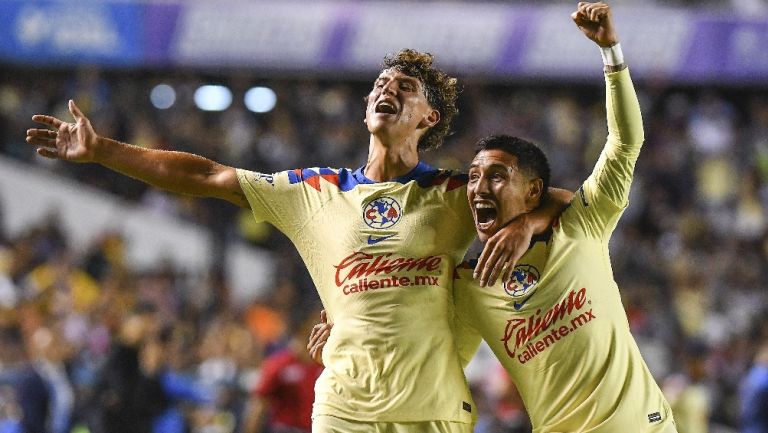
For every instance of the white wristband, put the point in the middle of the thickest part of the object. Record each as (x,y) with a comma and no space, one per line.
(612,56)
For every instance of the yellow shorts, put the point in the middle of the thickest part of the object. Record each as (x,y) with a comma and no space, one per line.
(331,424)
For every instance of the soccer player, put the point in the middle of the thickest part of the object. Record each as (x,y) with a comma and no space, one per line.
(380,242)
(557,325)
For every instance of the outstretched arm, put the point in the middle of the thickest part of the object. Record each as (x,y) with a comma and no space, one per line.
(178,172)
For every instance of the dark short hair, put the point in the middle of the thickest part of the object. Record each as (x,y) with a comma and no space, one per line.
(439,88)
(530,159)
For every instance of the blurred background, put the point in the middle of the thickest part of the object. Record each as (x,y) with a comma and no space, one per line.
(123,308)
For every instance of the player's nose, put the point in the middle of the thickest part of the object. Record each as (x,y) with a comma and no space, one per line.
(482,185)
(390,88)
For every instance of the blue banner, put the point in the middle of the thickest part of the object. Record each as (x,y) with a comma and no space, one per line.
(63,33)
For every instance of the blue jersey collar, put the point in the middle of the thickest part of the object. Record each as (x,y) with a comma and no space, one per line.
(414,174)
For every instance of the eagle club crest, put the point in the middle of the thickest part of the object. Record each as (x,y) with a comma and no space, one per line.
(382,213)
(522,280)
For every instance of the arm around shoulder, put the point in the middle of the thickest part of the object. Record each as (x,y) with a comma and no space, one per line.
(541,218)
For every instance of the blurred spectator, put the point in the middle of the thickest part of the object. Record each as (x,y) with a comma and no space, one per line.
(183,391)
(8,294)
(754,394)
(50,354)
(228,357)
(267,318)
(24,394)
(10,412)
(509,409)
(128,394)
(282,399)
(687,393)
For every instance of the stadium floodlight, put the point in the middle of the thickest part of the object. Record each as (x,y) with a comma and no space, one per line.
(213,98)
(260,99)
(162,96)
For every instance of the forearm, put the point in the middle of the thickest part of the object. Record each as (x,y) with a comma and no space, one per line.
(540,219)
(178,172)
(625,124)
(614,169)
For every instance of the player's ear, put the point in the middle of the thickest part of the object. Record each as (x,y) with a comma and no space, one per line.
(535,191)
(430,119)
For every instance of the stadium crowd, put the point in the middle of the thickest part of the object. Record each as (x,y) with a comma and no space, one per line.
(85,337)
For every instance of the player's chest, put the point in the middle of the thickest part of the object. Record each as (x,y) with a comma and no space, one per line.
(412,222)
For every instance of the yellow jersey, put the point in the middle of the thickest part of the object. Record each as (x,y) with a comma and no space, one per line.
(382,256)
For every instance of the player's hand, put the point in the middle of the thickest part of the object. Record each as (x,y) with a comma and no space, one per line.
(596,22)
(318,337)
(74,142)
(502,251)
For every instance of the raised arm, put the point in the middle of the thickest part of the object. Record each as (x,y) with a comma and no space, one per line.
(179,172)
(614,170)
(503,249)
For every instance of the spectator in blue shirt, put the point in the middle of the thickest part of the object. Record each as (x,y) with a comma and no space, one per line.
(754,395)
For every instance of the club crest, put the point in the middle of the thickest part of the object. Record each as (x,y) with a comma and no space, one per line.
(382,213)
(522,280)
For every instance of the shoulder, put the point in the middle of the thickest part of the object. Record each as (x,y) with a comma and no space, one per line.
(450,179)
(317,178)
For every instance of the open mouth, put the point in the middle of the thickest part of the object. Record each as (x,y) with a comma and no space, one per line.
(485,215)
(385,107)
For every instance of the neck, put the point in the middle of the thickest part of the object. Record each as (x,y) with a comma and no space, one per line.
(387,162)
